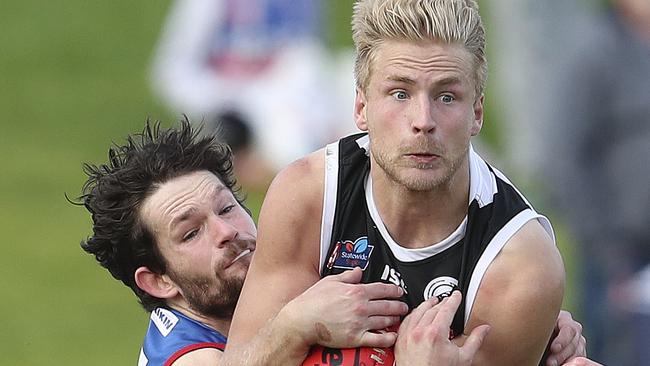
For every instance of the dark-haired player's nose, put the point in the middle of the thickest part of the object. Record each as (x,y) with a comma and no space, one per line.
(422,119)
(224,232)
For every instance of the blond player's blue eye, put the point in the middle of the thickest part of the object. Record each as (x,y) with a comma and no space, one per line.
(400,95)
(447,99)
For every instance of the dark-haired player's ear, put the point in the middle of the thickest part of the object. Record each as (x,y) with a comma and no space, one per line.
(156,285)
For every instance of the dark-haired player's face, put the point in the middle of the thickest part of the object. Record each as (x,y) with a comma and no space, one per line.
(206,237)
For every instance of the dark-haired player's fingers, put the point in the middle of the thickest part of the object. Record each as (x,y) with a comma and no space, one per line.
(568,341)
(352,276)
(378,339)
(568,344)
(473,343)
(565,339)
(377,323)
(581,361)
(387,307)
(378,290)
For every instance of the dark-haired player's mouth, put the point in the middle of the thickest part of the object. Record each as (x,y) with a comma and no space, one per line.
(241,255)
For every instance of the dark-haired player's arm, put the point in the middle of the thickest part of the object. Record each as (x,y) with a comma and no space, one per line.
(519,297)
(286,263)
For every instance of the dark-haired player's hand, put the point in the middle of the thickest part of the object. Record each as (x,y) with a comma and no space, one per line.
(581,361)
(568,342)
(423,336)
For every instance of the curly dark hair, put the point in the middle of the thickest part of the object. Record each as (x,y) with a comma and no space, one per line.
(115,191)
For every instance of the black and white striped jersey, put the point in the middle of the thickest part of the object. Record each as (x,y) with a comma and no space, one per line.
(353,234)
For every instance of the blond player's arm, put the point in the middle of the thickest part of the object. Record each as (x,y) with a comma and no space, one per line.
(519,297)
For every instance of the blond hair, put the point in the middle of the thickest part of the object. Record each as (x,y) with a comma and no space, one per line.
(449,21)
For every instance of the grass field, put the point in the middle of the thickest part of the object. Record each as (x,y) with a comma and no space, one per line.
(73,77)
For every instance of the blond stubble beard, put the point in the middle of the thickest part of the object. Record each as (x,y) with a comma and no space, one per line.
(418,182)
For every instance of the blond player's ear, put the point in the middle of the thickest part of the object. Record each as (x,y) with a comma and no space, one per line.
(360,110)
(477,124)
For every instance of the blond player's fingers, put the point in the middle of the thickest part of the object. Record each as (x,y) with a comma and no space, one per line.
(473,342)
(416,315)
(447,310)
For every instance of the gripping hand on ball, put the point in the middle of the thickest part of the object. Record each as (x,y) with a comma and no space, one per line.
(340,312)
(424,336)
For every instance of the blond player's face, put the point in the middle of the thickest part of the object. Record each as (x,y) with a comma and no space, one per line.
(420,110)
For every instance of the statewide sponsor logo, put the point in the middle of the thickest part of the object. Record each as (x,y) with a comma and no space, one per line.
(440,287)
(393,276)
(164,320)
(348,254)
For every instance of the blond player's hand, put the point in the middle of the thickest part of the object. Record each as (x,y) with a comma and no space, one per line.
(423,336)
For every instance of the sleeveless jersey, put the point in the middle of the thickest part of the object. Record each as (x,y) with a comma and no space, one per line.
(172,334)
(353,234)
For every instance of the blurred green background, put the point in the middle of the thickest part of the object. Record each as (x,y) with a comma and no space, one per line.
(73,77)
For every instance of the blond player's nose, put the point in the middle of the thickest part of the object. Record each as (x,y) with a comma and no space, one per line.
(422,118)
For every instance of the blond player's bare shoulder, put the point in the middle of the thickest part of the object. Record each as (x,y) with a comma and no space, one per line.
(310,167)
(300,183)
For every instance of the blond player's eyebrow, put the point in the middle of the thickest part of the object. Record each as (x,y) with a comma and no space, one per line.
(448,80)
(401,79)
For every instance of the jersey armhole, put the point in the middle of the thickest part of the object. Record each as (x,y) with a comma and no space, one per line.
(193,347)
(494,247)
(329,200)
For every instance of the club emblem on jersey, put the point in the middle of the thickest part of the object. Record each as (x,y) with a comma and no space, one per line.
(440,287)
(348,254)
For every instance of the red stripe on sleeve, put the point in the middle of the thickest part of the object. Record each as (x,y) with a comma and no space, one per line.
(193,347)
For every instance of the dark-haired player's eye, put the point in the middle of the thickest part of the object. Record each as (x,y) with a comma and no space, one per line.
(227,209)
(190,235)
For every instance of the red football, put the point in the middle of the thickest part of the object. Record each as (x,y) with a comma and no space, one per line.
(362,356)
